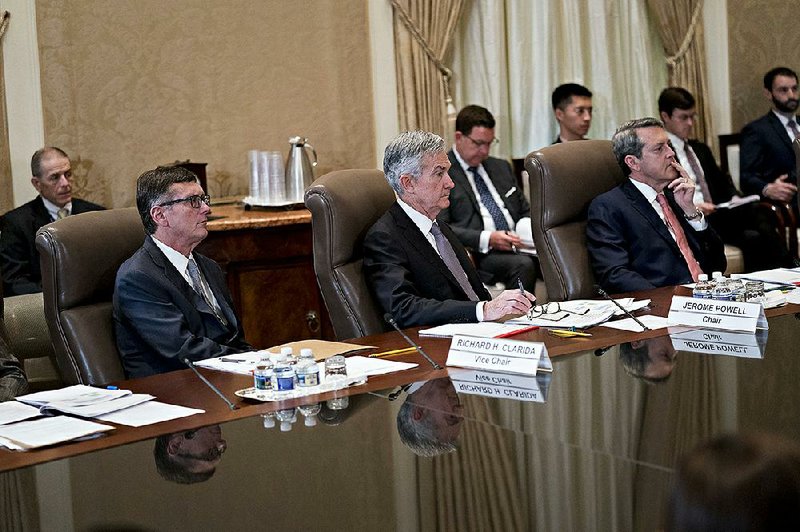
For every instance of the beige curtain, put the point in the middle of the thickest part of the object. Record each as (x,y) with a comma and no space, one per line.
(423,31)
(6,186)
(681,27)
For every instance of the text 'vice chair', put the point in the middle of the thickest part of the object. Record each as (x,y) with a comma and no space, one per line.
(344,205)
(564,179)
(80,256)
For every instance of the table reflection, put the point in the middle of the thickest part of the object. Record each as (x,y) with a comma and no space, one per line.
(189,456)
(429,421)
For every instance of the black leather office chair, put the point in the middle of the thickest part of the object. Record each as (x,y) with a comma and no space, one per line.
(564,179)
(80,256)
(343,206)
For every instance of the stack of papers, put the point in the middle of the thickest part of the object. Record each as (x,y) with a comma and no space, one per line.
(582,313)
(84,401)
(47,431)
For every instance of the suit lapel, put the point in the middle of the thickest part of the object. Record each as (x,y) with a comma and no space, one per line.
(421,244)
(461,180)
(641,205)
(779,130)
(217,290)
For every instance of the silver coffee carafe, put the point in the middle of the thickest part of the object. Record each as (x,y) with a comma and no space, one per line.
(299,169)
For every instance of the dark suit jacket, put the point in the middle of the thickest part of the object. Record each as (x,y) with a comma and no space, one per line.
(464,215)
(765,154)
(19,258)
(159,319)
(631,248)
(410,280)
(719,184)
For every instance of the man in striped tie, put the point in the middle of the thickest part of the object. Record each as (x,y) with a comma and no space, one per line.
(417,269)
(488,209)
(647,232)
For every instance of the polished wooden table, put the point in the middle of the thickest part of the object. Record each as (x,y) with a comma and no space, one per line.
(598,454)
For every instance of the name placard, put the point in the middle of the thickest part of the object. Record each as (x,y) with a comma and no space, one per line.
(501,385)
(501,355)
(709,313)
(716,342)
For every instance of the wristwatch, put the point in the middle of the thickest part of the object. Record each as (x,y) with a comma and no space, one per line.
(697,214)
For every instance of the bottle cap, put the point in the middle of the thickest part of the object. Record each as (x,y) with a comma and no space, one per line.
(269,422)
(286,351)
(306,353)
(286,426)
(310,421)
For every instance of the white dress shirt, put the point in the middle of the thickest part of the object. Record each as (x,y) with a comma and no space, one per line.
(52,208)
(650,194)
(785,121)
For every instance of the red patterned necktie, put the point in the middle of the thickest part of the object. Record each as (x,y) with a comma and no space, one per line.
(680,237)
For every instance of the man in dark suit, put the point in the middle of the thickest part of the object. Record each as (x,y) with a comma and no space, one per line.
(766,156)
(19,259)
(486,205)
(747,227)
(415,266)
(647,232)
(572,105)
(170,303)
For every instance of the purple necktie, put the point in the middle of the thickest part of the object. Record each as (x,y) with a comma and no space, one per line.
(451,261)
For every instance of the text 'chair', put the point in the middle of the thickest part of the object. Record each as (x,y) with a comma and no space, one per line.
(80,256)
(564,179)
(344,205)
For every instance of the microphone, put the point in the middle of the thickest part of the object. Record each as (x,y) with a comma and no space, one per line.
(623,309)
(208,383)
(389,319)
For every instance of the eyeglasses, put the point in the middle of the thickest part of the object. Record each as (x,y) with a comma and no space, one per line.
(195,201)
(552,312)
(482,143)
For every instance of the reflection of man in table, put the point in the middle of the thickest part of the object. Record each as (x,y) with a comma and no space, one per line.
(651,360)
(429,421)
(190,456)
(647,232)
(767,159)
(171,303)
(52,178)
(417,269)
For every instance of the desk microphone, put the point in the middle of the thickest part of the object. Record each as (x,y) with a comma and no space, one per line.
(389,319)
(208,383)
(623,309)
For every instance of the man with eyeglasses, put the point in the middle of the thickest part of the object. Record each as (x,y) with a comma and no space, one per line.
(486,206)
(51,173)
(171,303)
(572,106)
(747,227)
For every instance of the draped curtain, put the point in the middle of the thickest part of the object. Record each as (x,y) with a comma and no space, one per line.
(6,186)
(509,56)
(681,29)
(423,31)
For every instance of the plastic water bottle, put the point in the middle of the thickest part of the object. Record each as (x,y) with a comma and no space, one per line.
(289,354)
(307,369)
(722,291)
(703,288)
(283,375)
(286,417)
(310,413)
(737,289)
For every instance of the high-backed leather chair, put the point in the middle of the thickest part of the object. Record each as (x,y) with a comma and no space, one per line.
(344,205)
(564,179)
(80,256)
(29,340)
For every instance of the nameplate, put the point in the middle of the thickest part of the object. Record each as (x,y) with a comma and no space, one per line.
(716,342)
(501,385)
(494,354)
(724,315)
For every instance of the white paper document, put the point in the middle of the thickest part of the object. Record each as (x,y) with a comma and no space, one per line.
(738,201)
(83,401)
(789,276)
(13,411)
(240,363)
(581,313)
(47,431)
(148,413)
(358,365)
(628,324)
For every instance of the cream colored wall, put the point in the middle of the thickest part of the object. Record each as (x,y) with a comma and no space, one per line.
(762,35)
(130,84)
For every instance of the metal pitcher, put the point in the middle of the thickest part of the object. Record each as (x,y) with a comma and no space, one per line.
(299,170)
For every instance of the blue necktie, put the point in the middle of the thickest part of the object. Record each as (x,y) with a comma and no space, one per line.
(488,201)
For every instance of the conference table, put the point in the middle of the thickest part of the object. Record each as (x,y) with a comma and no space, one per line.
(594,448)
